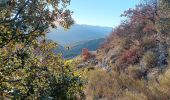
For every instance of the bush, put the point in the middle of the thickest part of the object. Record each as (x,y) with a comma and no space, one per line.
(149,60)
(125,43)
(129,56)
(102,85)
(161,88)
(85,54)
(127,95)
(148,42)
(114,86)
(135,72)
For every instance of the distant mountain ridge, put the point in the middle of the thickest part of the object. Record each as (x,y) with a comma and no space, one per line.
(76,49)
(78,33)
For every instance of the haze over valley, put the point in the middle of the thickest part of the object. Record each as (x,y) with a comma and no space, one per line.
(78,33)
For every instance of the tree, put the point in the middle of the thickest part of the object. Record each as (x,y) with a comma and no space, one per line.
(85,54)
(20,22)
(153,17)
(29,69)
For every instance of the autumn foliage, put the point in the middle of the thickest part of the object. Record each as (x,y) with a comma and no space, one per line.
(85,54)
(129,56)
(137,52)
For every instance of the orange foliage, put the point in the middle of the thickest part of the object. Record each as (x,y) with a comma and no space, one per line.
(129,56)
(85,54)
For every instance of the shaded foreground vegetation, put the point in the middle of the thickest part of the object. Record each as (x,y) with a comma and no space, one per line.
(29,69)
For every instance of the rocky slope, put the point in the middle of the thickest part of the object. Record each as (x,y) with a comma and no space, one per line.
(135,58)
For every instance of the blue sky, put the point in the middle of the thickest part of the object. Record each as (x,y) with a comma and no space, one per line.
(100,12)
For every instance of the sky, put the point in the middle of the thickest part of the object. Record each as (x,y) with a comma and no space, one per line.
(100,12)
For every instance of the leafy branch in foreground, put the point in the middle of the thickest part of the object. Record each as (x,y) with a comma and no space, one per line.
(29,69)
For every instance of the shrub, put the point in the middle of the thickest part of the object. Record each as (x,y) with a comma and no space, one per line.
(114,86)
(102,85)
(149,60)
(161,88)
(148,42)
(85,54)
(135,72)
(135,85)
(129,56)
(168,60)
(128,95)
(164,81)
(125,43)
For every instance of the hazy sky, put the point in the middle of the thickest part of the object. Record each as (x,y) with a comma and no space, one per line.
(100,12)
